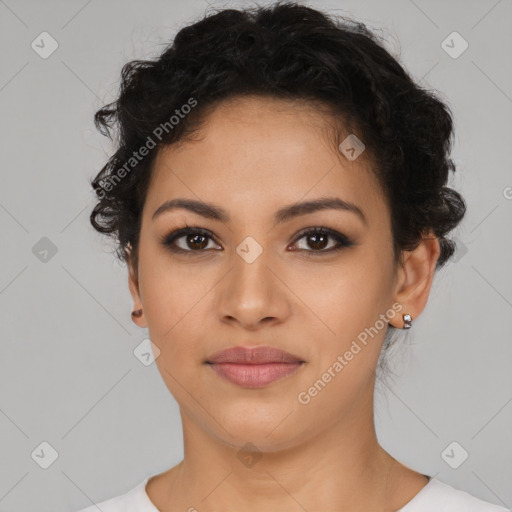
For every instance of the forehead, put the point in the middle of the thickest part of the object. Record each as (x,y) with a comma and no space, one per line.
(264,153)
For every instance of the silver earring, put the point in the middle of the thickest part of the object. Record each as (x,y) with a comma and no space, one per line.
(407,321)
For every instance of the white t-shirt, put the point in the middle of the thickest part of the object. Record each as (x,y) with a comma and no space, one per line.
(436,496)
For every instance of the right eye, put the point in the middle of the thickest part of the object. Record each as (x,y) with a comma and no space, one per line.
(188,240)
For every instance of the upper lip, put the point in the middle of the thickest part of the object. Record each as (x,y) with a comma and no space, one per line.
(253,355)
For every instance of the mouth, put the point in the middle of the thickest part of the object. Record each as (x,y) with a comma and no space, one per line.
(254,375)
(261,354)
(254,367)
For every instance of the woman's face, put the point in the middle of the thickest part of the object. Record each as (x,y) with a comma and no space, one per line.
(255,281)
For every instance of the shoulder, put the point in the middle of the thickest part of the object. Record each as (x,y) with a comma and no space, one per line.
(441,497)
(135,500)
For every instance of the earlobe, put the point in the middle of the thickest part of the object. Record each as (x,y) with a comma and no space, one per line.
(137,317)
(416,275)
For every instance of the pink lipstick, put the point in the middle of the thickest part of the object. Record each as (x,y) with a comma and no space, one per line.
(254,367)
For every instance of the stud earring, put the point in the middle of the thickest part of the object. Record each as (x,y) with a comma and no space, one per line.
(407,321)
(136,313)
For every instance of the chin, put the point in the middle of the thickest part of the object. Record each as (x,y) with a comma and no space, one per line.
(268,431)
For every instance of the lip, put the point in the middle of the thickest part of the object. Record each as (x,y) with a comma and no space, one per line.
(262,354)
(254,367)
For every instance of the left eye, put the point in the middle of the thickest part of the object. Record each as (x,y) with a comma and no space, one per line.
(318,240)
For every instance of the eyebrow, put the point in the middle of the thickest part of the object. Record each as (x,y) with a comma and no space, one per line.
(211,211)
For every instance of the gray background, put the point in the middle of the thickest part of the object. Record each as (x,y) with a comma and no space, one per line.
(68,375)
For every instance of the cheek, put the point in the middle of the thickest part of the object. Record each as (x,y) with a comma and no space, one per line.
(175,297)
(167,289)
(345,296)
(343,318)
(173,308)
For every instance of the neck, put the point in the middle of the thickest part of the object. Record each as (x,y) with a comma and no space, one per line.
(342,467)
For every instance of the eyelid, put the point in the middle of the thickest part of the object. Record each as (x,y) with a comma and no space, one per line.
(342,241)
(170,238)
(320,229)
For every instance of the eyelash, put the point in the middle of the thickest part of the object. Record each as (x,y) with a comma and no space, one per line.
(342,240)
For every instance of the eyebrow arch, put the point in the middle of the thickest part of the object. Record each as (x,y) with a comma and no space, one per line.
(211,211)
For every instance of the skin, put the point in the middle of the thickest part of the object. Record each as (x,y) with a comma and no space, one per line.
(253,157)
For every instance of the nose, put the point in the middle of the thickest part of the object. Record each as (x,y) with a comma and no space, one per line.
(252,296)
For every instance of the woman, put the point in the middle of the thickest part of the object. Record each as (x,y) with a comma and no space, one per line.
(279,196)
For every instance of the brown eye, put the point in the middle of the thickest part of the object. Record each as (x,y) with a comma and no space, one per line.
(188,240)
(317,240)
(195,241)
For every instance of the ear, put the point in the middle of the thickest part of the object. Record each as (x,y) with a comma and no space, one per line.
(415,276)
(133,285)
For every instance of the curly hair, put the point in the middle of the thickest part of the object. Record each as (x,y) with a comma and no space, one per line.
(286,51)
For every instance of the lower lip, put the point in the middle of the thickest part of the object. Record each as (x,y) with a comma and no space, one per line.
(254,375)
